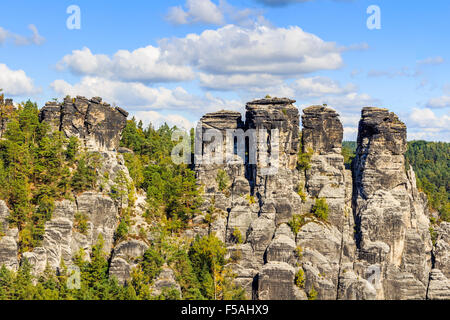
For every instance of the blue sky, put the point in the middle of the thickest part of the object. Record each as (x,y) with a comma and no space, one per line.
(176,60)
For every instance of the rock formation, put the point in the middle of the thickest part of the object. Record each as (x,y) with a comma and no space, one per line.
(94,122)
(375,243)
(393,228)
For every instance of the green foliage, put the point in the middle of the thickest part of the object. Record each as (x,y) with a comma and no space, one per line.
(296,223)
(320,209)
(72,148)
(223,180)
(172,191)
(301,193)
(300,279)
(208,257)
(86,174)
(35,171)
(81,223)
(237,236)
(434,235)
(431,163)
(304,158)
(348,151)
(299,252)
(312,295)
(121,231)
(251,199)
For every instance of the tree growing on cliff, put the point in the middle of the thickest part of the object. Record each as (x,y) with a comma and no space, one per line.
(320,209)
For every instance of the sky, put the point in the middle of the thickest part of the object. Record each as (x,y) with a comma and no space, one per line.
(173,61)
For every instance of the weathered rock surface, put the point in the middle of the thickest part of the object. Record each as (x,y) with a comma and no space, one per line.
(392,222)
(124,258)
(375,243)
(439,286)
(94,122)
(8,240)
(62,240)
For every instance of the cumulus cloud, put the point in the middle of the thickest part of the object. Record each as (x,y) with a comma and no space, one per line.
(147,64)
(233,50)
(427,118)
(197,11)
(20,40)
(238,53)
(137,96)
(425,124)
(15,82)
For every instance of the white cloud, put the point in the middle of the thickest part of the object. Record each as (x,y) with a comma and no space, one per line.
(261,49)
(20,40)
(350,133)
(431,61)
(237,53)
(426,118)
(425,124)
(439,103)
(177,15)
(137,96)
(319,86)
(157,119)
(147,64)
(15,82)
(197,11)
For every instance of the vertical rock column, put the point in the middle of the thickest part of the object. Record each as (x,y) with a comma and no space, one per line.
(326,245)
(392,227)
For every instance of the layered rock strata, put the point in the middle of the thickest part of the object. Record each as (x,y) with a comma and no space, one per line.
(375,242)
(94,122)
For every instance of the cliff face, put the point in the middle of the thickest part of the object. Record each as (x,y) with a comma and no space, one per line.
(94,122)
(393,226)
(375,242)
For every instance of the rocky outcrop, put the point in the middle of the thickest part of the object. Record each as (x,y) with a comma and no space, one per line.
(124,259)
(63,239)
(8,240)
(375,243)
(392,234)
(322,130)
(94,122)
(257,199)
